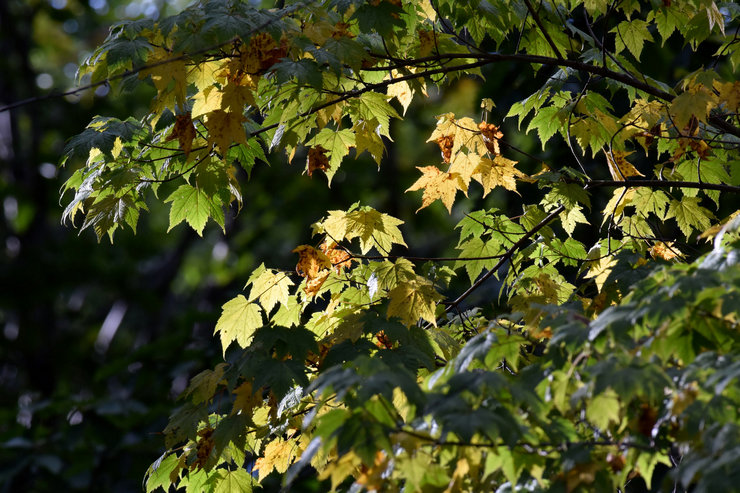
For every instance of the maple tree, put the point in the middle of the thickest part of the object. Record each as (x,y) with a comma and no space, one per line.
(602,349)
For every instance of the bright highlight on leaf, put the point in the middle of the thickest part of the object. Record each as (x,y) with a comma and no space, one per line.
(238,322)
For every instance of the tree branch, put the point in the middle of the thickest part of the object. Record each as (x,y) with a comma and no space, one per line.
(506,256)
(544,32)
(660,184)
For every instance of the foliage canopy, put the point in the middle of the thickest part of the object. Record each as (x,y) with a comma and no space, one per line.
(606,339)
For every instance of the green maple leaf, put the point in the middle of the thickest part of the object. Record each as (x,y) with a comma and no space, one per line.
(227,481)
(476,247)
(389,274)
(158,474)
(271,288)
(373,106)
(414,300)
(289,313)
(203,385)
(547,121)
(649,201)
(367,139)
(239,320)
(632,34)
(690,215)
(711,172)
(604,409)
(337,144)
(194,206)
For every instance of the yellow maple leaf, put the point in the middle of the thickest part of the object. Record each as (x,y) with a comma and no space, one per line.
(225,128)
(438,184)
(278,455)
(165,68)
(463,131)
(246,399)
(465,164)
(202,75)
(619,167)
(235,96)
(498,171)
(402,90)
(271,288)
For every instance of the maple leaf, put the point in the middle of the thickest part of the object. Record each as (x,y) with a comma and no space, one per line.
(389,274)
(317,159)
(235,95)
(278,455)
(314,265)
(438,184)
(619,167)
(165,68)
(271,288)
(194,206)
(374,229)
(340,259)
(413,300)
(184,132)
(206,101)
(239,320)
(224,128)
(374,106)
(463,132)
(367,139)
(337,143)
(311,261)
(465,164)
(227,481)
(497,172)
(476,247)
(689,215)
(202,386)
(694,103)
(632,34)
(246,399)
(665,251)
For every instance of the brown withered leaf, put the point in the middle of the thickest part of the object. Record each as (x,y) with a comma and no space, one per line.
(184,132)
(317,159)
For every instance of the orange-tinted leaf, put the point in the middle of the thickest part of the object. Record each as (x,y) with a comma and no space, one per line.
(317,159)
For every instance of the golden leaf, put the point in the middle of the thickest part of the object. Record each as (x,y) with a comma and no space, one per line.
(246,399)
(619,167)
(278,455)
(438,184)
(665,250)
(164,69)
(311,261)
(497,172)
(314,265)
(465,164)
(225,128)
